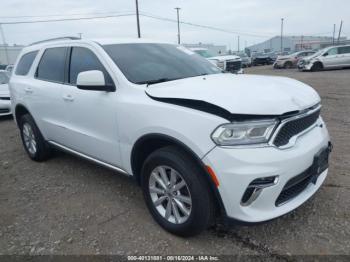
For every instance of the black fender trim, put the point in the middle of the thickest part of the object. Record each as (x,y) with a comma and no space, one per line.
(198,160)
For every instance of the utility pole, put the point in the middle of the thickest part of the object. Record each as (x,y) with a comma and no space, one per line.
(5,44)
(138,19)
(340,28)
(333,40)
(178,24)
(282,20)
(238,44)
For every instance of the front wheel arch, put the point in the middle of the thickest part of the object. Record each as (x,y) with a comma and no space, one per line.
(317,66)
(147,144)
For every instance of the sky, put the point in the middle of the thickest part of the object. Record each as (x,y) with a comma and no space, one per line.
(253,20)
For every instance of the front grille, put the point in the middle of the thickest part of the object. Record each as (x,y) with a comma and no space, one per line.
(294,127)
(233,66)
(299,183)
(295,186)
(4,111)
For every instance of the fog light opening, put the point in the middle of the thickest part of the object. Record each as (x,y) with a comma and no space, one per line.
(255,188)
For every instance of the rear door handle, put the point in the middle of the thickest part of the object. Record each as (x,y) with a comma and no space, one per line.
(28,90)
(68,97)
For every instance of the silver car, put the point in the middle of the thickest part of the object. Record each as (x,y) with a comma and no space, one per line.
(328,58)
(5,103)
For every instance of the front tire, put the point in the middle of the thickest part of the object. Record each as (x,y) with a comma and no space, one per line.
(318,66)
(33,141)
(288,65)
(176,193)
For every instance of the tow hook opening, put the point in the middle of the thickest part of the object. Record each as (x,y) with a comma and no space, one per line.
(255,188)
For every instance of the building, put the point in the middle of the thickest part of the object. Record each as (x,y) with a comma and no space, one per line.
(8,54)
(212,49)
(293,44)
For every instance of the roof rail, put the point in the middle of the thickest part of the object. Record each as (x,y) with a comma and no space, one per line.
(57,38)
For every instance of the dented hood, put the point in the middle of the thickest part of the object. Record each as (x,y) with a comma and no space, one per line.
(240,94)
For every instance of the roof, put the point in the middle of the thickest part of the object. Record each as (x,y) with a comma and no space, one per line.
(101,41)
(110,41)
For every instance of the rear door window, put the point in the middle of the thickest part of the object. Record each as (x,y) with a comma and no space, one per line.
(83,59)
(25,63)
(52,65)
(344,50)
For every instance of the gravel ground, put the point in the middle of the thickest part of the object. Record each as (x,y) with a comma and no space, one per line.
(69,206)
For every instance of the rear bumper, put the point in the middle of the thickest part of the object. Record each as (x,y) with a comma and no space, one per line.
(5,107)
(236,168)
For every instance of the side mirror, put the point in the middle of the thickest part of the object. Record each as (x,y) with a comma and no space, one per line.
(93,80)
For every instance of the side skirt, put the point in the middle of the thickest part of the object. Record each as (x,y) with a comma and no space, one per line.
(89,158)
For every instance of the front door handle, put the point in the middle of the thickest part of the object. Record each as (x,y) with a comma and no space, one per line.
(28,90)
(68,97)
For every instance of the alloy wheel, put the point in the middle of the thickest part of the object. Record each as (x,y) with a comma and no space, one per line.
(29,138)
(170,194)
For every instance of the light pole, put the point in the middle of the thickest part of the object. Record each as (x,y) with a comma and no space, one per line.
(178,24)
(282,19)
(238,47)
(340,28)
(138,19)
(5,44)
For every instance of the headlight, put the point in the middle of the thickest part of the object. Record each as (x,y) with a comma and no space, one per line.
(221,64)
(244,133)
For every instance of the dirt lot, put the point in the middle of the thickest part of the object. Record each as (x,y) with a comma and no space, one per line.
(70,206)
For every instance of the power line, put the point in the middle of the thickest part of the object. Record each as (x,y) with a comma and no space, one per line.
(203,26)
(65,15)
(65,19)
(111,15)
(119,14)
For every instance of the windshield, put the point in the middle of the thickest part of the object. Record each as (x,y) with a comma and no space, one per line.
(4,79)
(318,53)
(203,53)
(242,55)
(145,63)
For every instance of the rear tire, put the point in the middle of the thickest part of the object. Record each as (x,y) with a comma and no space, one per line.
(33,141)
(198,205)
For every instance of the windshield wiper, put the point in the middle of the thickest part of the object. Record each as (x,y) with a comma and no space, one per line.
(156,81)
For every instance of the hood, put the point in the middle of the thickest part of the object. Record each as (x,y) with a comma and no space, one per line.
(4,90)
(281,57)
(225,57)
(240,94)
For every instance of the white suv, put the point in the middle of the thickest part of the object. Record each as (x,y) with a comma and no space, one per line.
(202,144)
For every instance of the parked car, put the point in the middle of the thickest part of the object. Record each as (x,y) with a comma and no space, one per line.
(290,61)
(201,143)
(261,59)
(228,63)
(246,60)
(5,103)
(328,58)
(3,67)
